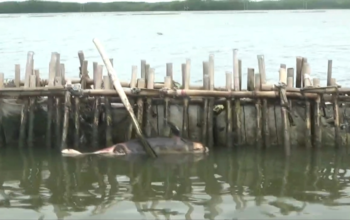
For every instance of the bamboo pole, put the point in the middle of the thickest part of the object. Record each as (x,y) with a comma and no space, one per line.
(60,91)
(160,85)
(125,100)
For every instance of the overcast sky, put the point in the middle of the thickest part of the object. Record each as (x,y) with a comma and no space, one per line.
(82,1)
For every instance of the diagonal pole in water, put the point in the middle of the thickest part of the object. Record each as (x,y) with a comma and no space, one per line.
(112,74)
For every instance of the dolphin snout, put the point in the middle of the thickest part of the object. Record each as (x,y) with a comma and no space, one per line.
(200,147)
(70,152)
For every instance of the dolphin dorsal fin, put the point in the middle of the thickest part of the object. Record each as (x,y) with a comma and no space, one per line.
(174,129)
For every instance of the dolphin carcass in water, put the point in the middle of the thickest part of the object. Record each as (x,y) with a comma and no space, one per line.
(161,145)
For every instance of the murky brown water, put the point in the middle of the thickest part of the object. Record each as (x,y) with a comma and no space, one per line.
(235,185)
(130,37)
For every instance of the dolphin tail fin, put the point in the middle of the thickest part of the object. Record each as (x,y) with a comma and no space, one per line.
(70,152)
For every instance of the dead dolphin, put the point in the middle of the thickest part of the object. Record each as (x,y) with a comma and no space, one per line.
(161,145)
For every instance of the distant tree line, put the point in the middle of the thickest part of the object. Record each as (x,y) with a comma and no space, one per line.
(34,6)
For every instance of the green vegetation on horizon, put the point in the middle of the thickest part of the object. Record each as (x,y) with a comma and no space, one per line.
(34,6)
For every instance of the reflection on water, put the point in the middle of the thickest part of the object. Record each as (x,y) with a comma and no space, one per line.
(234,185)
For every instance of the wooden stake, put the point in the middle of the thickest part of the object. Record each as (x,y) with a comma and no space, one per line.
(299,61)
(140,85)
(77,122)
(265,109)
(329,72)
(240,74)
(186,85)
(143,69)
(229,111)
(261,64)
(29,71)
(84,74)
(283,75)
(29,68)
(284,114)
(63,75)
(132,85)
(304,70)
(66,120)
(107,85)
(147,72)
(124,98)
(169,70)
(290,82)
(98,72)
(31,112)
(205,104)
(51,83)
(237,103)
(17,75)
(306,83)
(2,134)
(150,82)
(167,85)
(336,116)
(211,103)
(317,136)
(258,113)
(250,80)
(81,58)
(58,120)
